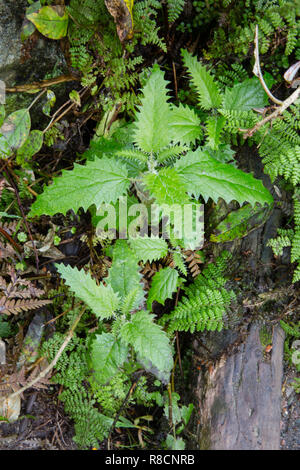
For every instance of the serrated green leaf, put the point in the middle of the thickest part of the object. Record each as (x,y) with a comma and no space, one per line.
(131,301)
(15,129)
(30,147)
(163,285)
(167,186)
(185,125)
(205,176)
(179,262)
(245,96)
(107,356)
(99,181)
(149,340)
(149,248)
(152,132)
(51,21)
(102,300)
(132,154)
(171,152)
(214,127)
(124,275)
(240,222)
(208,92)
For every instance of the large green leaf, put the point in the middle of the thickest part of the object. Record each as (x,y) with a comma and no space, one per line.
(205,176)
(167,186)
(51,21)
(124,275)
(240,222)
(185,125)
(149,248)
(107,356)
(15,130)
(102,180)
(207,89)
(102,300)
(245,96)
(149,340)
(164,284)
(152,132)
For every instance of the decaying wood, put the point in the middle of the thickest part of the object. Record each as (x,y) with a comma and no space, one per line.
(239,398)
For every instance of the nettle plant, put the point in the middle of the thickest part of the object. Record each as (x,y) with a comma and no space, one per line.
(152,161)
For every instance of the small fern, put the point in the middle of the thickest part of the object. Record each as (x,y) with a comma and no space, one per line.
(175,8)
(205,302)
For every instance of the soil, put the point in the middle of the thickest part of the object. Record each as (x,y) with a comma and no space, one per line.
(42,426)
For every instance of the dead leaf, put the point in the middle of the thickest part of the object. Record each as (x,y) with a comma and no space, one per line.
(121,11)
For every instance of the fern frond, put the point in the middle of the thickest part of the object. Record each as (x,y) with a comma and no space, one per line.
(13,307)
(179,262)
(175,8)
(205,303)
(170,153)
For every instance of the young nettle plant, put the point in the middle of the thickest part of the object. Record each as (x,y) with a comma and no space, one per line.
(153,164)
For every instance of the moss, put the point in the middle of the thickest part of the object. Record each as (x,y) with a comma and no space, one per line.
(265,336)
(204,438)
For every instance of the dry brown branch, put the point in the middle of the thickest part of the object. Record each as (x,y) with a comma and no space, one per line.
(257,70)
(28,88)
(283,104)
(278,111)
(46,371)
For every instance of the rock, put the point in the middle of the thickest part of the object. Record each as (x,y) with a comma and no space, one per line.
(25,63)
(15,67)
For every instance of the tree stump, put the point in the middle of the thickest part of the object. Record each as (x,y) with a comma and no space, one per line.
(239,397)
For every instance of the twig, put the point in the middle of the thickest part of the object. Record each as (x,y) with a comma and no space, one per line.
(129,393)
(177,337)
(283,104)
(11,240)
(36,99)
(170,406)
(52,364)
(44,84)
(175,80)
(24,217)
(286,104)
(55,119)
(257,70)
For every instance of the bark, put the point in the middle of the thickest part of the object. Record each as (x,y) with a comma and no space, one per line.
(239,398)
